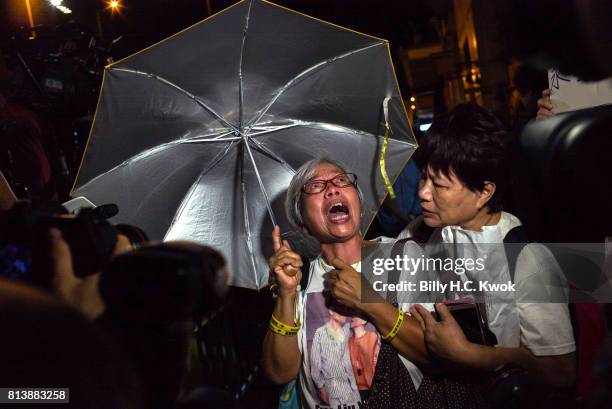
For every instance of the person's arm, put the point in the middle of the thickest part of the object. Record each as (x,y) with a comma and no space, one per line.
(7,197)
(345,284)
(409,341)
(446,340)
(281,354)
(557,371)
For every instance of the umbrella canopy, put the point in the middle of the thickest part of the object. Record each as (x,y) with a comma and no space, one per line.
(198,136)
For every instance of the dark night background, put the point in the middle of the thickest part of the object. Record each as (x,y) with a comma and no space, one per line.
(445,52)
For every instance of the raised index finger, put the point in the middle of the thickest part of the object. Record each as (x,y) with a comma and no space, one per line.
(276,238)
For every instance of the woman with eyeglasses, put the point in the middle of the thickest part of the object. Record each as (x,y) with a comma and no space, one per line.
(310,327)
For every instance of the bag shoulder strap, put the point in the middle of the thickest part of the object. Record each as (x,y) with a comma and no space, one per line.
(394,275)
(514,242)
(398,246)
(305,272)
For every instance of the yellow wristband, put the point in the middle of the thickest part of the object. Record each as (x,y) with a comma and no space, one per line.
(396,327)
(281,325)
(282,331)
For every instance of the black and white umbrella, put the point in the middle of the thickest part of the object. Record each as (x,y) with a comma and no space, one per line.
(198,136)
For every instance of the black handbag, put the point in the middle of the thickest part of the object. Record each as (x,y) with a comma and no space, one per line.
(392,385)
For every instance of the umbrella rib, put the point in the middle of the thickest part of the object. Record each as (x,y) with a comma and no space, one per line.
(217,159)
(211,136)
(181,90)
(247,224)
(132,159)
(261,185)
(222,135)
(262,148)
(272,129)
(213,163)
(153,150)
(205,140)
(310,70)
(240,89)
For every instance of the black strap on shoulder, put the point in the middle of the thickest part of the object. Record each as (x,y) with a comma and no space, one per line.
(398,246)
(394,275)
(305,272)
(514,242)
(421,232)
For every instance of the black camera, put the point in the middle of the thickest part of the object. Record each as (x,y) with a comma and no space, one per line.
(24,240)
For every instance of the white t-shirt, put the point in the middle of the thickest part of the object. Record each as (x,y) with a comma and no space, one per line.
(545,327)
(339,351)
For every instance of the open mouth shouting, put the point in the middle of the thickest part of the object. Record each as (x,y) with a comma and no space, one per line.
(338,213)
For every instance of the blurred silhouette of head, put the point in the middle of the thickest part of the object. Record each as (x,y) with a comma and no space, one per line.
(153,297)
(164,283)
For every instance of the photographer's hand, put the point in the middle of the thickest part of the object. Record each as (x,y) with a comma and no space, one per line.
(81,293)
(64,282)
(123,245)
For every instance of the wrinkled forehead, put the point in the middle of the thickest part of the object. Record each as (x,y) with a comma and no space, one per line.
(325,171)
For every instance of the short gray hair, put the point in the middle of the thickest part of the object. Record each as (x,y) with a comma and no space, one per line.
(293,199)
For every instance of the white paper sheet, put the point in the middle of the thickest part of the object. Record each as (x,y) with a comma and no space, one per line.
(568,93)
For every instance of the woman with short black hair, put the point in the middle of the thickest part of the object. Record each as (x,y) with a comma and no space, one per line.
(468,143)
(464,176)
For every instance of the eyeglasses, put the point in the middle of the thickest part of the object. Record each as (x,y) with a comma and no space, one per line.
(317,186)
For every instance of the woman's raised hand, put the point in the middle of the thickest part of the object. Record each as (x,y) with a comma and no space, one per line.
(285,264)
